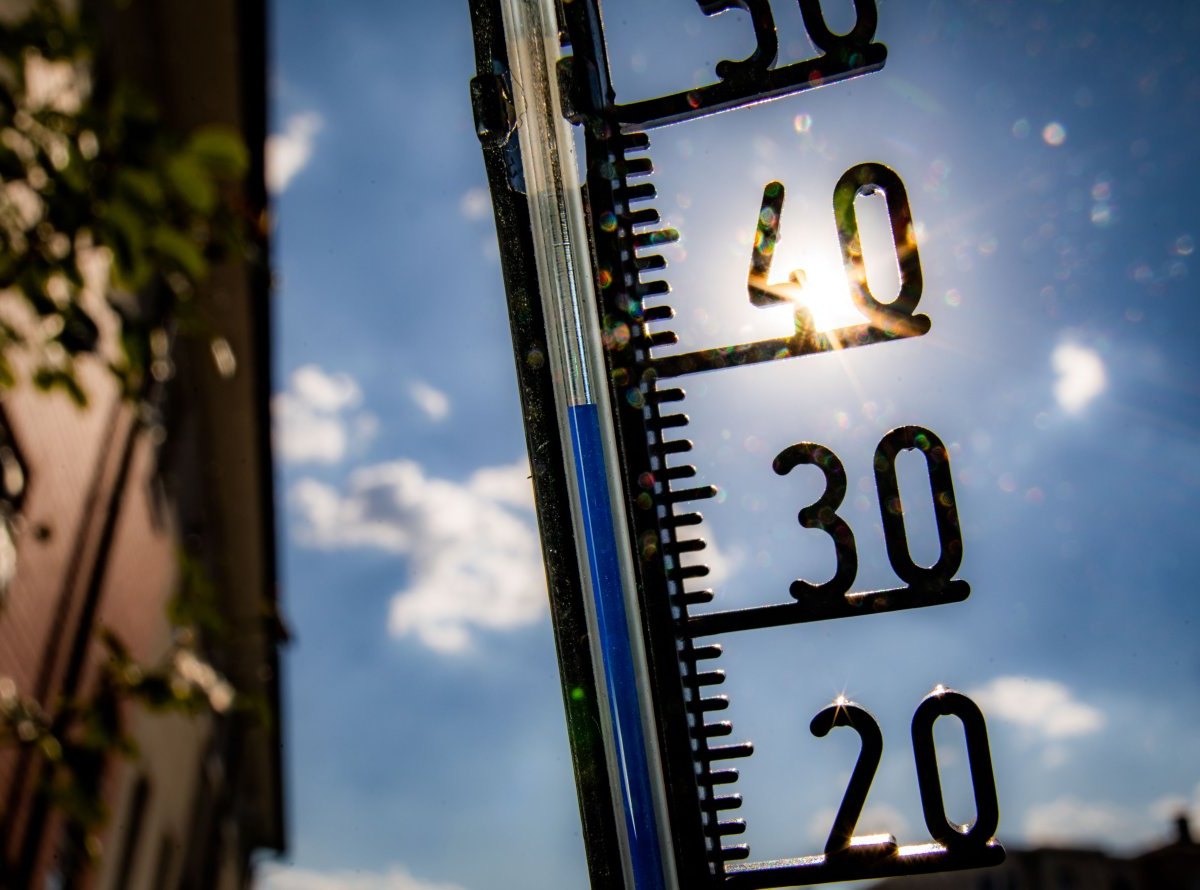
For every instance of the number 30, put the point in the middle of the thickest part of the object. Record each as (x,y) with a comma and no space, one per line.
(823,514)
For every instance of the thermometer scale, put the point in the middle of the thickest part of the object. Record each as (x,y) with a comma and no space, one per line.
(603,388)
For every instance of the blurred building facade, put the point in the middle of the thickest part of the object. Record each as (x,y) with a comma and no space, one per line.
(1171,866)
(99,505)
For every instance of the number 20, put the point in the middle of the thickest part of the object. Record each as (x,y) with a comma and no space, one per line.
(939,703)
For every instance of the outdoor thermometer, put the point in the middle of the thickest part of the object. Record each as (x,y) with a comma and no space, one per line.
(631,409)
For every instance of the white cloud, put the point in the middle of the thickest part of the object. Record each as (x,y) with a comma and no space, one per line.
(290,151)
(1069,821)
(1081,376)
(472,551)
(275,877)
(1045,708)
(1169,808)
(325,392)
(365,427)
(302,435)
(310,422)
(432,401)
(475,204)
(509,485)
(1055,756)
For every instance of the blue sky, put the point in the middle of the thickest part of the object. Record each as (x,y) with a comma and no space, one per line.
(1048,150)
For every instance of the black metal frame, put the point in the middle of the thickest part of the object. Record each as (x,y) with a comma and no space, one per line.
(495,124)
(756,79)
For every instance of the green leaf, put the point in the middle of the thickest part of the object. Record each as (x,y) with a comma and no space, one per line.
(135,348)
(75,175)
(117,650)
(221,150)
(182,251)
(124,233)
(50,379)
(155,692)
(192,182)
(51,748)
(141,185)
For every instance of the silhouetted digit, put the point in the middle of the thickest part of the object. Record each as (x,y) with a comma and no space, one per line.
(848,713)
(766,236)
(767,41)
(822,515)
(945,511)
(865,22)
(896,316)
(939,703)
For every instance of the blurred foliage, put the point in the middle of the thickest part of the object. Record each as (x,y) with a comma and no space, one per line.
(79,737)
(89,172)
(88,168)
(82,734)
